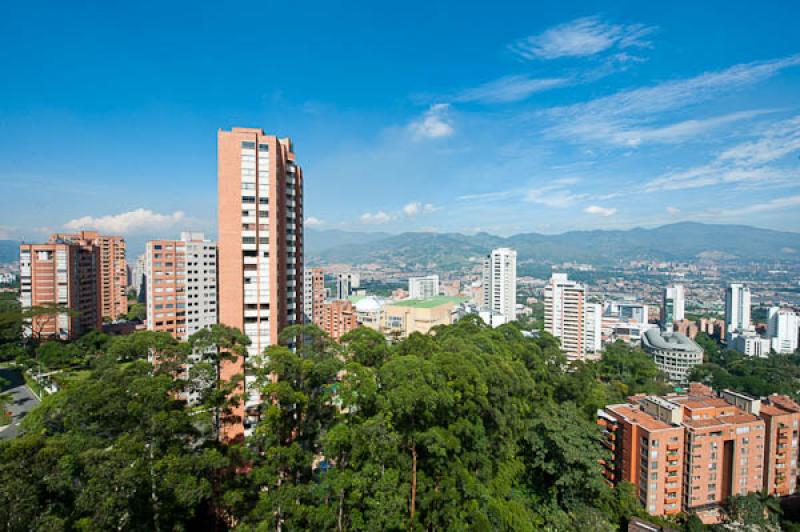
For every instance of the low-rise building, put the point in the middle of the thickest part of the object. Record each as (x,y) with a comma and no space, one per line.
(751,344)
(402,318)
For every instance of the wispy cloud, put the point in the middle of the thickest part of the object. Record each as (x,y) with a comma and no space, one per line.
(745,163)
(597,210)
(635,116)
(581,37)
(313,221)
(434,123)
(135,221)
(555,194)
(509,89)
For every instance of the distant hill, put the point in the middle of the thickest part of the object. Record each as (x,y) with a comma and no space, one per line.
(9,251)
(680,241)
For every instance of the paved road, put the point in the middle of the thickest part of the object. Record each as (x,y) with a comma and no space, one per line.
(23,401)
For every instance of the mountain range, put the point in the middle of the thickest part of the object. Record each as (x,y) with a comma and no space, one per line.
(679,241)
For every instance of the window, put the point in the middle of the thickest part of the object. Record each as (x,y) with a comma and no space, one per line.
(248,145)
(263,147)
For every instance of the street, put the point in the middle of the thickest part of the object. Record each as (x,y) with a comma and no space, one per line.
(23,401)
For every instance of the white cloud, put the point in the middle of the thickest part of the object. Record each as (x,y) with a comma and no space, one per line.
(379,217)
(415,207)
(745,163)
(581,37)
(509,89)
(434,124)
(312,221)
(672,211)
(135,221)
(771,205)
(600,211)
(631,117)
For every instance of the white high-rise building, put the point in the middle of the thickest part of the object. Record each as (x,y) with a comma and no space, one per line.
(139,276)
(782,329)
(593,329)
(346,284)
(737,309)
(182,284)
(672,306)
(564,314)
(423,287)
(500,282)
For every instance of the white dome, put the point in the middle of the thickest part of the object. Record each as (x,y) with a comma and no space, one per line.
(368,305)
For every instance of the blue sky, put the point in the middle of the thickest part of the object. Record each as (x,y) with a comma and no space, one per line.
(447,116)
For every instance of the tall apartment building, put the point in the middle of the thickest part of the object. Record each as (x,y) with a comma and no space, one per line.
(260,247)
(346,284)
(691,452)
(737,309)
(500,282)
(593,329)
(338,318)
(112,280)
(423,287)
(672,305)
(182,288)
(783,327)
(138,281)
(63,273)
(313,295)
(564,314)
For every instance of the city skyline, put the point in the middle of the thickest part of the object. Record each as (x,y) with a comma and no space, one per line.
(549,120)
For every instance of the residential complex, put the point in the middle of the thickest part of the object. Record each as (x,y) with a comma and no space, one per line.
(182,285)
(689,452)
(112,282)
(423,287)
(500,282)
(260,224)
(673,353)
(83,272)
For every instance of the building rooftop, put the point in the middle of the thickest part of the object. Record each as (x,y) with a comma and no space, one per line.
(643,419)
(430,302)
(674,341)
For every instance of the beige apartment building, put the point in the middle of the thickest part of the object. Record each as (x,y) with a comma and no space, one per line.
(260,224)
(404,317)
